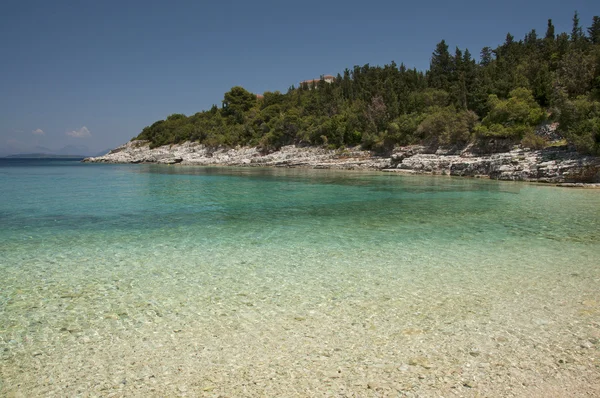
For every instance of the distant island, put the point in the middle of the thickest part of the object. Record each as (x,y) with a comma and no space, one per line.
(42,156)
(67,152)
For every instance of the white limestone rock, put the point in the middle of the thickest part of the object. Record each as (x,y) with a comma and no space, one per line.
(552,165)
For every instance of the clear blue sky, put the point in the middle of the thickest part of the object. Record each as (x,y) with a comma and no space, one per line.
(95,73)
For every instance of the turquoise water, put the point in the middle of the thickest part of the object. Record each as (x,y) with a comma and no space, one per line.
(140,280)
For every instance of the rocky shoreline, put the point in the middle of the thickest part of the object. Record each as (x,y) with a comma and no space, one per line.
(556,165)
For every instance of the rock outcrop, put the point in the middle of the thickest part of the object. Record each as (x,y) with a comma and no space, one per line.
(190,153)
(552,165)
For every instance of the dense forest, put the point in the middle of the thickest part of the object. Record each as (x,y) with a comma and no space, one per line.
(505,95)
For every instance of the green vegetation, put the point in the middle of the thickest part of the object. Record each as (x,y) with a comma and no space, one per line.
(515,117)
(510,91)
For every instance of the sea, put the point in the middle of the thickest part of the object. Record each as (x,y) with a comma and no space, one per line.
(156,280)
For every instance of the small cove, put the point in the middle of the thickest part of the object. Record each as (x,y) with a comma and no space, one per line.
(137,280)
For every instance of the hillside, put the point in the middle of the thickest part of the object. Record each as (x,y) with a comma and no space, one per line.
(554,77)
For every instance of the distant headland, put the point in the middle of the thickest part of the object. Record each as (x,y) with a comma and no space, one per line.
(540,94)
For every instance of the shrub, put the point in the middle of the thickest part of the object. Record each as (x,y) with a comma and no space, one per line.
(445,126)
(512,118)
(532,141)
(580,121)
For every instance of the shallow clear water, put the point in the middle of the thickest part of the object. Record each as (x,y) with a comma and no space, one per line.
(142,279)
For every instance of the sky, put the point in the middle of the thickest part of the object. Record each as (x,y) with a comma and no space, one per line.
(93,74)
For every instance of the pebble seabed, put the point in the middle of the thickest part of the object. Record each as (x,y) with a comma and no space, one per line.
(170,313)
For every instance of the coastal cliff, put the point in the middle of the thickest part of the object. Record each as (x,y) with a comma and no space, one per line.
(556,165)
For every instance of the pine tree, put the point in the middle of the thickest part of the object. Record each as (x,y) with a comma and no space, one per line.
(509,39)
(470,76)
(441,67)
(458,62)
(459,85)
(531,37)
(577,31)
(506,49)
(486,56)
(594,30)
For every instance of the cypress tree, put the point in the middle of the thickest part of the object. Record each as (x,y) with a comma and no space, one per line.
(550,31)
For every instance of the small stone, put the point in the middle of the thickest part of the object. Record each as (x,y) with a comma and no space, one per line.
(586,344)
(373,385)
(412,332)
(420,361)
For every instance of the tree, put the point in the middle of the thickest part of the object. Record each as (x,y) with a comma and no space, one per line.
(531,38)
(580,120)
(237,101)
(486,56)
(550,31)
(445,126)
(458,85)
(470,72)
(377,113)
(594,30)
(576,31)
(595,92)
(440,68)
(391,99)
(507,50)
(541,84)
(576,72)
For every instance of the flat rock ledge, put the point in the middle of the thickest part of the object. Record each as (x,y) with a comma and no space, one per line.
(556,165)
(191,153)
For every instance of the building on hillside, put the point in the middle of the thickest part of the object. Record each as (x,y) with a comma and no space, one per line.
(310,83)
